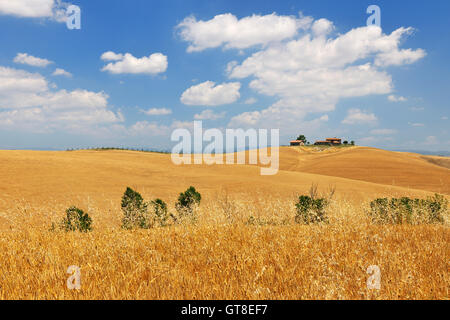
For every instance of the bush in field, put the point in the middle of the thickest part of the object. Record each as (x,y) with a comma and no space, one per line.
(409,211)
(160,212)
(187,201)
(140,214)
(135,213)
(311,210)
(76,219)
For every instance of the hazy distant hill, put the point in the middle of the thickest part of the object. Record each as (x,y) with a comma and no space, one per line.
(428,153)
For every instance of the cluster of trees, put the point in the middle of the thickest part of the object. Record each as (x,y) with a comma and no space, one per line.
(139,214)
(118,148)
(145,215)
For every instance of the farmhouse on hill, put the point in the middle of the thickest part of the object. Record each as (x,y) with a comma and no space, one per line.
(297,143)
(329,142)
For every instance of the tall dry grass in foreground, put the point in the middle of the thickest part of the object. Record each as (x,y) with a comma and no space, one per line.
(222,257)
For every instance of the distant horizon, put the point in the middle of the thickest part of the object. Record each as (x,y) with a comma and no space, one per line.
(441,153)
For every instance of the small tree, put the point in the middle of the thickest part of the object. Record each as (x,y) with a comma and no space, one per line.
(134,210)
(352,143)
(301,138)
(346,142)
(187,202)
(76,219)
(311,210)
(160,211)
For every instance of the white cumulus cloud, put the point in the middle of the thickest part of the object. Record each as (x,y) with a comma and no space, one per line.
(209,115)
(157,111)
(27,8)
(322,27)
(358,116)
(127,63)
(394,98)
(25,58)
(399,57)
(146,128)
(52,9)
(210,94)
(61,72)
(29,103)
(315,69)
(229,31)
(111,56)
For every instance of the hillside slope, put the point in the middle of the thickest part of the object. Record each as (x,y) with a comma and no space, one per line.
(361,173)
(407,170)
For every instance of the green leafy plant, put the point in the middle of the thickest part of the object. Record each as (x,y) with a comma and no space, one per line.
(311,210)
(76,220)
(161,214)
(187,201)
(408,211)
(134,210)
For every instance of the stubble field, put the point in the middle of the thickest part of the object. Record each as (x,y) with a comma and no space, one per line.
(221,256)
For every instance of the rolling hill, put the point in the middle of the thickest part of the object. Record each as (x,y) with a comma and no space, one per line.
(246,246)
(408,170)
(358,173)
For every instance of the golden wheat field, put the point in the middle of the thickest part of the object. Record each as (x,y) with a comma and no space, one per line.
(221,256)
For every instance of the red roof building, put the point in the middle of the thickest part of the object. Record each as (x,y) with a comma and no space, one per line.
(329,142)
(334,140)
(297,143)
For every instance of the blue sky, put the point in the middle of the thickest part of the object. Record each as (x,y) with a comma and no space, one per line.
(137,70)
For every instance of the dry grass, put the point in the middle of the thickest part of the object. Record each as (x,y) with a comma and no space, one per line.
(222,257)
(439,161)
(407,170)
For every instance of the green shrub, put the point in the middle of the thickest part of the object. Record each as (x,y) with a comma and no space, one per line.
(408,211)
(76,219)
(160,212)
(134,210)
(139,214)
(189,198)
(187,201)
(311,210)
